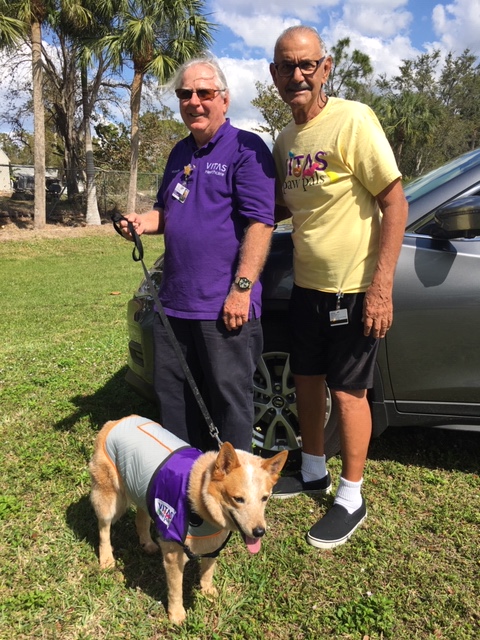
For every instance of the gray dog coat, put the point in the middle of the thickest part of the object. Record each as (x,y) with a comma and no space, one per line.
(155,467)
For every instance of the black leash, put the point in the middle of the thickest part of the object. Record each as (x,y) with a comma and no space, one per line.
(137,255)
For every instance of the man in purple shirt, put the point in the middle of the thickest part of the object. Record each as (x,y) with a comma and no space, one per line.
(216,209)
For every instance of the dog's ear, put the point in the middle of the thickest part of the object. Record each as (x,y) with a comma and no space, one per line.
(227,460)
(274,465)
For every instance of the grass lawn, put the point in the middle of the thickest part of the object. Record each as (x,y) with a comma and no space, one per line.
(411,571)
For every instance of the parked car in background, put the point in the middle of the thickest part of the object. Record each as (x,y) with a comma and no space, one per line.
(428,367)
(23,182)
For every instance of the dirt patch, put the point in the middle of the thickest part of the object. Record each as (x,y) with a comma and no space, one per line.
(63,220)
(54,231)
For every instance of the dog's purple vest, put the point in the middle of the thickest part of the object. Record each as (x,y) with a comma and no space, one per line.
(167,499)
(155,466)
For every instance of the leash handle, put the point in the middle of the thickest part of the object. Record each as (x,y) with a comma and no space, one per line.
(137,255)
(137,252)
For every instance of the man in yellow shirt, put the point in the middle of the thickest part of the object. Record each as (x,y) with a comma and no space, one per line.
(338,179)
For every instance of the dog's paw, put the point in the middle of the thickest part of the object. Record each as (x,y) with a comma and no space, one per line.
(209,590)
(150,547)
(177,615)
(107,562)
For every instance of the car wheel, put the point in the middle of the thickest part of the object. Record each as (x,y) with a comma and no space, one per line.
(276,419)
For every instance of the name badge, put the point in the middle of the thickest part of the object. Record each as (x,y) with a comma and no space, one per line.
(338,317)
(181,192)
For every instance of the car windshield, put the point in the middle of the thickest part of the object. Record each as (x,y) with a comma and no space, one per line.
(433,179)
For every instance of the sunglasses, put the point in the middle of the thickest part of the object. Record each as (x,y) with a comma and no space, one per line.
(203,94)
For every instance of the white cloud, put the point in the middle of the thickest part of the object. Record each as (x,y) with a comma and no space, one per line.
(306,11)
(386,55)
(258,32)
(241,77)
(257,26)
(374,26)
(457,25)
(382,18)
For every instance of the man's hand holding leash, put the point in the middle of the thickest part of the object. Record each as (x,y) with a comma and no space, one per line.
(138,224)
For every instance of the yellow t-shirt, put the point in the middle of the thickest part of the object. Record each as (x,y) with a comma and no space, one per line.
(329,171)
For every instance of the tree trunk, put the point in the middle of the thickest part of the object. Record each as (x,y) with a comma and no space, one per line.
(71,171)
(92,216)
(39,215)
(65,111)
(135,100)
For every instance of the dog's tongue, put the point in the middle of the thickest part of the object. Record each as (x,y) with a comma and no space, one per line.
(253,544)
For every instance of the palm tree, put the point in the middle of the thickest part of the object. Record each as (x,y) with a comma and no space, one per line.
(22,20)
(156,36)
(409,119)
(11,29)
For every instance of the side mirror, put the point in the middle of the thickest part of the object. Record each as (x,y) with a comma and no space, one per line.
(458,219)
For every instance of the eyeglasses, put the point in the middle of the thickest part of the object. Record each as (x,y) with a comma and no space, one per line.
(203,94)
(307,67)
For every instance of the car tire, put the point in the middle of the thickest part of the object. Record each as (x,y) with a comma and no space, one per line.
(276,419)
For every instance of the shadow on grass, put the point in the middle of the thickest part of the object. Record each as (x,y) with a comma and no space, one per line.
(426,447)
(429,448)
(140,570)
(111,402)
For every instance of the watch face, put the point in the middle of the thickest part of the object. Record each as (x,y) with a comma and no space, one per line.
(244,283)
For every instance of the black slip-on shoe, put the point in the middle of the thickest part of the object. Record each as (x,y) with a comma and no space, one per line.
(289,486)
(336,526)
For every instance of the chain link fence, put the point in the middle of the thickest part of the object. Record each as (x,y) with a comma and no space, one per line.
(111,187)
(112,190)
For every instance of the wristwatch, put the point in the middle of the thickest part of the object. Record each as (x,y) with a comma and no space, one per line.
(244,284)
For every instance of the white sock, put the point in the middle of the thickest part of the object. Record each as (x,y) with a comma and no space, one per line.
(313,467)
(348,495)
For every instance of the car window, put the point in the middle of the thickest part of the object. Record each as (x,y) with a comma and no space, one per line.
(434,179)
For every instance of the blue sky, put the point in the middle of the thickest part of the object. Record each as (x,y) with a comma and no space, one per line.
(389,31)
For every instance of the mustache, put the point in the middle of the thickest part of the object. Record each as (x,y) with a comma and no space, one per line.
(298,86)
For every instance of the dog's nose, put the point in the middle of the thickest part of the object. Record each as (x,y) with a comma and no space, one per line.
(258,532)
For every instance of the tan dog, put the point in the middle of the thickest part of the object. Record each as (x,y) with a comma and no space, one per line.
(227,490)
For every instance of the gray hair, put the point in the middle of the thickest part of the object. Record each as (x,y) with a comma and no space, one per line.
(300,29)
(176,80)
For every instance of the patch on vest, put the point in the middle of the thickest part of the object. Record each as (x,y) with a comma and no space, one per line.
(165,512)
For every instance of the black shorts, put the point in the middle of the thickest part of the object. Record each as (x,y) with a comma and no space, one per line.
(342,353)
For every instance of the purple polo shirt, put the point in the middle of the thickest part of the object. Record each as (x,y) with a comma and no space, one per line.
(231,181)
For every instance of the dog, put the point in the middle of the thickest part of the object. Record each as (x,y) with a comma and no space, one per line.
(195,499)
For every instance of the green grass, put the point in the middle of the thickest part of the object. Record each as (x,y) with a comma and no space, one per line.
(412,571)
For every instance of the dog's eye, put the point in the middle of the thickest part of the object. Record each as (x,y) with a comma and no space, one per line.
(239,499)
(265,498)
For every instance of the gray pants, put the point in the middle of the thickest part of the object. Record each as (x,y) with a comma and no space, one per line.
(222,363)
